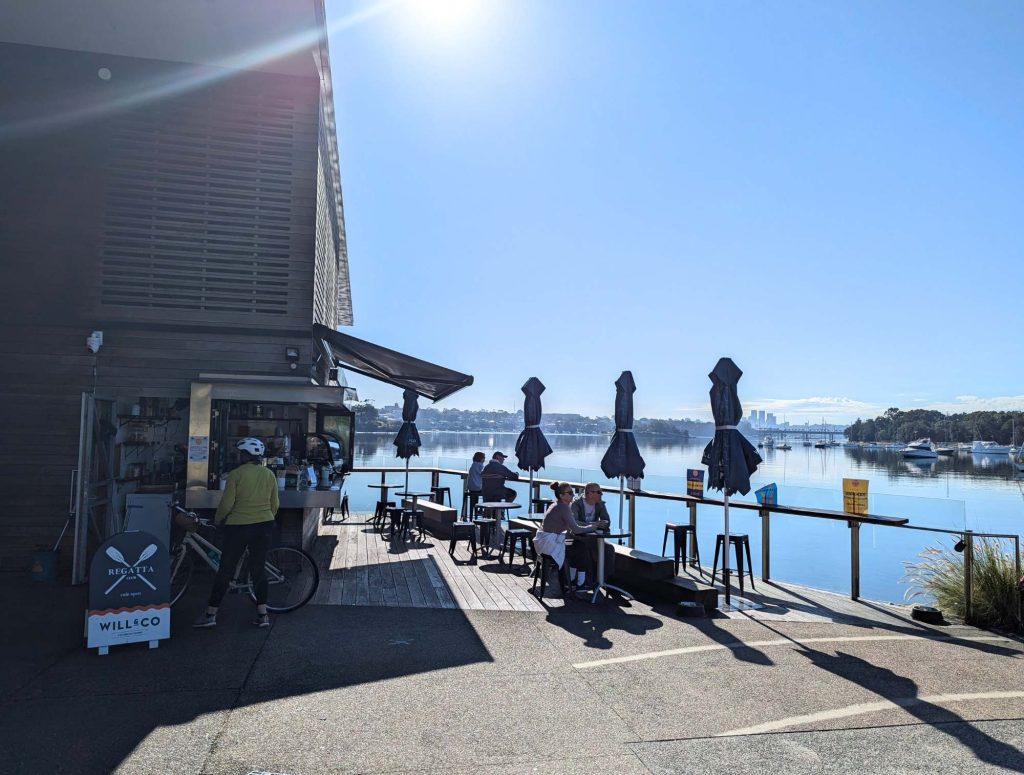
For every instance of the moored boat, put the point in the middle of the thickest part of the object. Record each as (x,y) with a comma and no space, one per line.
(922,448)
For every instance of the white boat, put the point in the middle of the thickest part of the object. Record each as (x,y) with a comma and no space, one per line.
(821,444)
(784,445)
(769,442)
(1018,459)
(850,445)
(989,448)
(922,448)
(946,451)
(872,445)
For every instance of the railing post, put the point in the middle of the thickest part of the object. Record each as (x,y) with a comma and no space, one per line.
(1016,573)
(631,498)
(766,554)
(854,560)
(968,576)
(692,547)
(435,478)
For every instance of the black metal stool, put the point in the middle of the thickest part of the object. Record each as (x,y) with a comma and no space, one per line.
(679,534)
(525,539)
(411,521)
(739,542)
(440,493)
(395,513)
(540,572)
(463,531)
(487,527)
(380,513)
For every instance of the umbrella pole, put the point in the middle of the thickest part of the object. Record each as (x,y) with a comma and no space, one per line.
(407,474)
(529,496)
(622,498)
(725,551)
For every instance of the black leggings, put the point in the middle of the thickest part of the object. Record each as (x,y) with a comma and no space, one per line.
(258,537)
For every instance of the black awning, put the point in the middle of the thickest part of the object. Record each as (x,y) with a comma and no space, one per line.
(404,371)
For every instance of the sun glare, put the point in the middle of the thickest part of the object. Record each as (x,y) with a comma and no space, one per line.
(447,18)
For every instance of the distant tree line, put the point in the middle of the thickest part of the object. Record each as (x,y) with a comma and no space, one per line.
(898,425)
(370,418)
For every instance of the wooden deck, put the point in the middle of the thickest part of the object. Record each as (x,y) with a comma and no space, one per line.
(358,567)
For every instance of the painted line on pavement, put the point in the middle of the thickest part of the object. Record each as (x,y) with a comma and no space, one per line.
(868,707)
(735,645)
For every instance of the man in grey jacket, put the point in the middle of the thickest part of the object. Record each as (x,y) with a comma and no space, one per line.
(493,477)
(588,510)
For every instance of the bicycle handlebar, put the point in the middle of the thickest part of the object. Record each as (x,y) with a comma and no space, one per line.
(192,515)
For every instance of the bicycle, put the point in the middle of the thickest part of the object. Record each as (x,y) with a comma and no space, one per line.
(292,575)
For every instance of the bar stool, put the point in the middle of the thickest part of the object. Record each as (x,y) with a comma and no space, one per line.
(679,534)
(540,572)
(463,531)
(380,513)
(395,514)
(739,541)
(487,526)
(440,493)
(469,500)
(525,539)
(411,521)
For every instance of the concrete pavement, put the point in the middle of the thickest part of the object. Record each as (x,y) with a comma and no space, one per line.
(344,689)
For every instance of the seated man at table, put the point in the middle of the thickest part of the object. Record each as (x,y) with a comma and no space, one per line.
(494,476)
(590,510)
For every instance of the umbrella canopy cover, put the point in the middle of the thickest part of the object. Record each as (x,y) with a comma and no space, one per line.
(623,456)
(407,442)
(531,446)
(730,458)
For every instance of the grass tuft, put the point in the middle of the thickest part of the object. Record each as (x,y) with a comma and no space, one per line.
(939,575)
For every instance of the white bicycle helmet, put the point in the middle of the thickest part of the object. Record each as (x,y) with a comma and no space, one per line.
(253,446)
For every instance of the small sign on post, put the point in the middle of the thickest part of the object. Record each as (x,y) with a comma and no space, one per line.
(695,482)
(855,496)
(129,592)
(768,495)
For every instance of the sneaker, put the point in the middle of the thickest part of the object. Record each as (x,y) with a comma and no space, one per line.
(261,620)
(206,620)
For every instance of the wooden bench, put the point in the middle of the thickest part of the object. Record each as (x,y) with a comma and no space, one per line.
(437,518)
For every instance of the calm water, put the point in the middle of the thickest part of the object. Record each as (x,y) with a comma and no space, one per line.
(964,491)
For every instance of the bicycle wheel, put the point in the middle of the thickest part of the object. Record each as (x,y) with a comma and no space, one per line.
(181,570)
(292,579)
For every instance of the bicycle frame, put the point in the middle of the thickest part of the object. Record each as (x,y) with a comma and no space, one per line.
(204,548)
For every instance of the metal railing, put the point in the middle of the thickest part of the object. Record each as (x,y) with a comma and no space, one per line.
(854,522)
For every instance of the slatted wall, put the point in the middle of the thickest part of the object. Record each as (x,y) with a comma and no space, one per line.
(185,228)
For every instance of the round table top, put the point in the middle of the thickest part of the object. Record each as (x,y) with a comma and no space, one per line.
(601,534)
(498,505)
(383,486)
(415,494)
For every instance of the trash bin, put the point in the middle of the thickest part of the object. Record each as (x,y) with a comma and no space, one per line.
(44,564)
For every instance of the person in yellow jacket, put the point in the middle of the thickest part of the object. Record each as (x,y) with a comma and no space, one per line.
(246,513)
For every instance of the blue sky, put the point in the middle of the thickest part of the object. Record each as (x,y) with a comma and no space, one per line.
(828,193)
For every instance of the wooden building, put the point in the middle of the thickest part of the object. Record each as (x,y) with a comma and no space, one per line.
(170,211)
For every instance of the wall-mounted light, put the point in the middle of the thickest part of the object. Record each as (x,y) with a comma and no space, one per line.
(291,354)
(332,375)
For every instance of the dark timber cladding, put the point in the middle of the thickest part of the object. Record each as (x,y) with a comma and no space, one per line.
(166,181)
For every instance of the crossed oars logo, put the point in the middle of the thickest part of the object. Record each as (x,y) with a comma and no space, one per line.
(116,556)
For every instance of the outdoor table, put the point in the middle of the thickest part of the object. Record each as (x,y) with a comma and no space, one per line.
(600,536)
(383,502)
(497,506)
(415,500)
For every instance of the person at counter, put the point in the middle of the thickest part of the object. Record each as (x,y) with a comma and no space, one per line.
(493,478)
(246,514)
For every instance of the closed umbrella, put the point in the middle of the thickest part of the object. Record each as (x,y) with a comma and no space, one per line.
(531,446)
(623,456)
(407,442)
(730,458)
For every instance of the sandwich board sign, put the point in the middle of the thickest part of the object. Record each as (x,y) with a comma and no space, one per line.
(129,592)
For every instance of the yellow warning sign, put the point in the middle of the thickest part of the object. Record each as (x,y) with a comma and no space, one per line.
(855,496)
